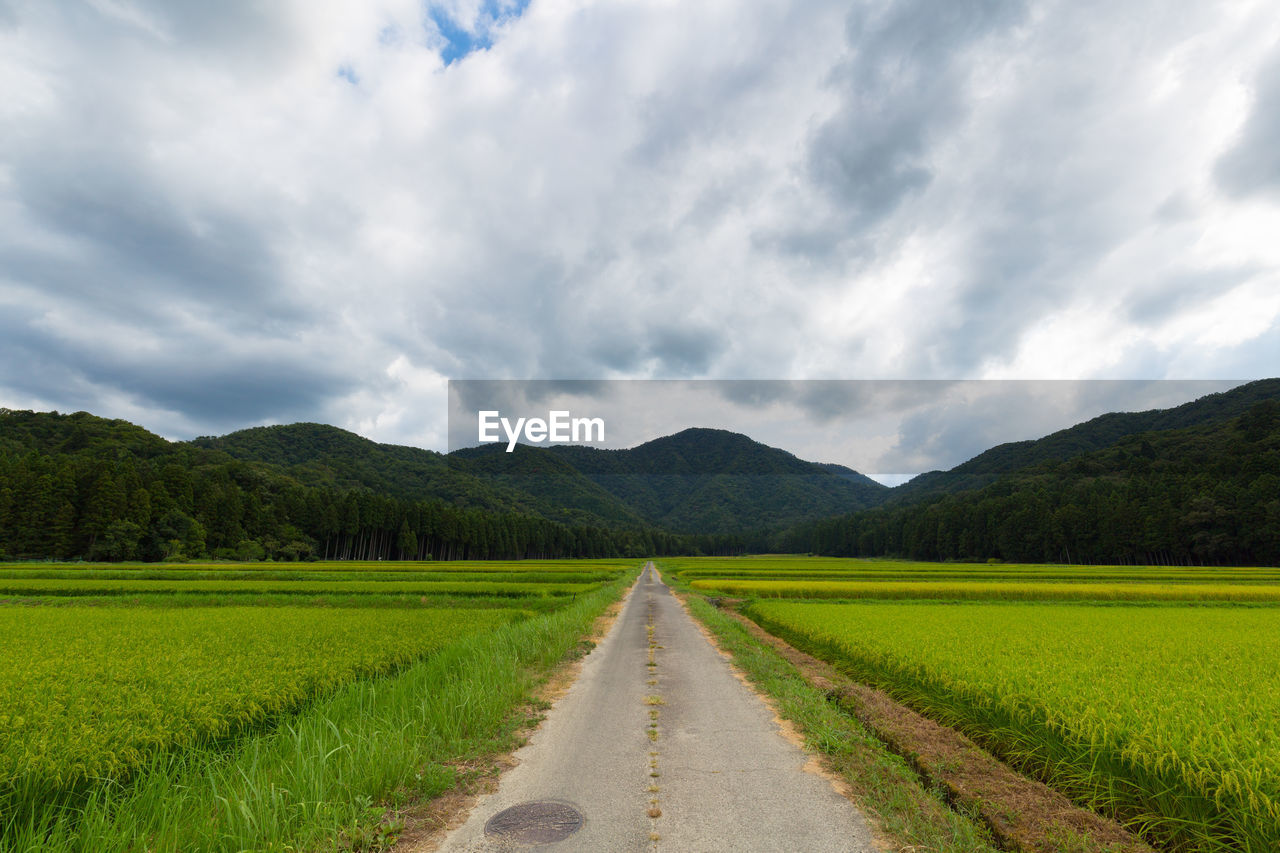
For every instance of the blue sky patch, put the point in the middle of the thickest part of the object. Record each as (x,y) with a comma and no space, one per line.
(460,40)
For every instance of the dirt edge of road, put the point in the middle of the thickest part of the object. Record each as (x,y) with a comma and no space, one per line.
(427,824)
(1021,813)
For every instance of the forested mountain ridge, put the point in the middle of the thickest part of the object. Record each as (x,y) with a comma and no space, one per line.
(712,481)
(322,455)
(41,432)
(1207,494)
(850,474)
(1095,434)
(81,487)
(689,482)
(545,478)
(1190,483)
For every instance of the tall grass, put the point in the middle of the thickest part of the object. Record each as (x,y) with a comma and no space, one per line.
(90,693)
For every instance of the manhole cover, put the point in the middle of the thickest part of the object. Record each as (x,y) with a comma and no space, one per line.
(535,823)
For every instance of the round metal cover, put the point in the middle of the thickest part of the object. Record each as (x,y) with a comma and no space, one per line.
(535,823)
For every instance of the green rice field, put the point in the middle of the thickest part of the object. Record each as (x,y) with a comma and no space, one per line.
(90,692)
(118,681)
(89,586)
(982,590)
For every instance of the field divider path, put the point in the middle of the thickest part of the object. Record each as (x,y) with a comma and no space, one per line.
(660,747)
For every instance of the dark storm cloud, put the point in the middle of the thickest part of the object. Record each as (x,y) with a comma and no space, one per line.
(219,389)
(136,263)
(135,241)
(33,368)
(613,352)
(824,401)
(143,282)
(236,391)
(683,350)
(835,400)
(904,84)
(1253,164)
(1174,294)
(754,393)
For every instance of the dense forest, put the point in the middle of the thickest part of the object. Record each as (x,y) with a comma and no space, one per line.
(81,487)
(1201,495)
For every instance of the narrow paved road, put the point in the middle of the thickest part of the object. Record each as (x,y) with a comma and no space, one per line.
(660,748)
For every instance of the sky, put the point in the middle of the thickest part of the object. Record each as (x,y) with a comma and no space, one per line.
(219,215)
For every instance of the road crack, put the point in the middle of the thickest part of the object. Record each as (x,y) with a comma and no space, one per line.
(654,701)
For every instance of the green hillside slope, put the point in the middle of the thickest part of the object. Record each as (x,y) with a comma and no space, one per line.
(1207,494)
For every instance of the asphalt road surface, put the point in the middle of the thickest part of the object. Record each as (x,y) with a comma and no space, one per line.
(658,747)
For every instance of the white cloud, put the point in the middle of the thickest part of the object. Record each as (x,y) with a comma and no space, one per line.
(301,207)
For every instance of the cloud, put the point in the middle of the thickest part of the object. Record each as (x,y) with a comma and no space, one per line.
(212,383)
(1253,165)
(212,216)
(904,84)
(1071,187)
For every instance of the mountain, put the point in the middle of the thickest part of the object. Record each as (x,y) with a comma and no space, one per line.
(1096,434)
(82,487)
(705,481)
(1203,494)
(1186,483)
(48,432)
(545,481)
(851,475)
(718,482)
(321,455)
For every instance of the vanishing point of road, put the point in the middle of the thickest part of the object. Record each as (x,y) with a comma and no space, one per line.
(657,746)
